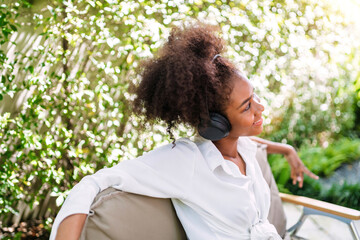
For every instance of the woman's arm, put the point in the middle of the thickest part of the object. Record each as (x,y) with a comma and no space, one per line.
(71,227)
(165,172)
(297,166)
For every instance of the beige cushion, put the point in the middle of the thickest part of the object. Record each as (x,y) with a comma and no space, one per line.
(120,215)
(276,213)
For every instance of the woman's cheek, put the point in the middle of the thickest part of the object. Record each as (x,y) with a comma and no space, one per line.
(249,121)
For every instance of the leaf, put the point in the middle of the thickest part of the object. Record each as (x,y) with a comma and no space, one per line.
(31,69)
(13,27)
(1,97)
(6,32)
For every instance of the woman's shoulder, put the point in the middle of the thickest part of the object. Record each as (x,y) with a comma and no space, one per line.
(247,142)
(184,145)
(183,150)
(248,145)
(187,143)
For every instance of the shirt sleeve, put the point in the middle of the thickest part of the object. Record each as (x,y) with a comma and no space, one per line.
(165,172)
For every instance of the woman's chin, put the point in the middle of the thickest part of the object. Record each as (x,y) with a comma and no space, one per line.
(258,130)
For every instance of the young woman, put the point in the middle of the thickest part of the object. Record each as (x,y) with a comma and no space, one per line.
(215,183)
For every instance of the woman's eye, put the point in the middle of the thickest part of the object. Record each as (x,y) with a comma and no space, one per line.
(247,107)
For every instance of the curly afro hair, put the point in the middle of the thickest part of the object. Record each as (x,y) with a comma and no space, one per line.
(184,81)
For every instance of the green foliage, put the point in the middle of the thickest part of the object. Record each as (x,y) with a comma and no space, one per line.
(323,162)
(8,14)
(74,79)
(357,100)
(344,194)
(317,106)
(326,161)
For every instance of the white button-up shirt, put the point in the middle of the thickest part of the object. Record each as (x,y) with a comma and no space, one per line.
(212,198)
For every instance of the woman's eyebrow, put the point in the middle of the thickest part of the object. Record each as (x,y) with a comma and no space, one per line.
(246,100)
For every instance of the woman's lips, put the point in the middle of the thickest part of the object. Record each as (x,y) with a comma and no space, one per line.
(258,122)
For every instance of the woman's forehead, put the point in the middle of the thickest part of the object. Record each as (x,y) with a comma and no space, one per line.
(240,74)
(242,89)
(241,81)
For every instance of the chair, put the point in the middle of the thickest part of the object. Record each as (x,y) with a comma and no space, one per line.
(119,215)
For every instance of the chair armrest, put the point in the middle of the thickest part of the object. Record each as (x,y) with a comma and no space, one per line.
(321,206)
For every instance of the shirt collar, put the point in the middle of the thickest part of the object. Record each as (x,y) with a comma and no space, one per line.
(210,152)
(246,147)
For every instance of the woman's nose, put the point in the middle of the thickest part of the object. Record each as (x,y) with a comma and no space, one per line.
(261,107)
(257,99)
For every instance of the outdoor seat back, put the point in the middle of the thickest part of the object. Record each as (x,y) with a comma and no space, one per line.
(121,215)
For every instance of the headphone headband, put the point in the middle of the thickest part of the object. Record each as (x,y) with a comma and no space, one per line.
(215,57)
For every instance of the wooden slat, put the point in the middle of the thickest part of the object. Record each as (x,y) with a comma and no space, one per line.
(322,206)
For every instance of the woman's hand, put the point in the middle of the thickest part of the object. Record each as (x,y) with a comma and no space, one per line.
(297,167)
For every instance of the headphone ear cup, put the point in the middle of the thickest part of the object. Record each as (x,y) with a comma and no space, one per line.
(217,128)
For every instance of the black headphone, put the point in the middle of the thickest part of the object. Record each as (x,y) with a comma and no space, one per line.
(216,128)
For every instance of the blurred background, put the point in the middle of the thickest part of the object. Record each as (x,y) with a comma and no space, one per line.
(65,107)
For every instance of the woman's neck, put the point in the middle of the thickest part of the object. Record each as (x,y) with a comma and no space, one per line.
(227,146)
